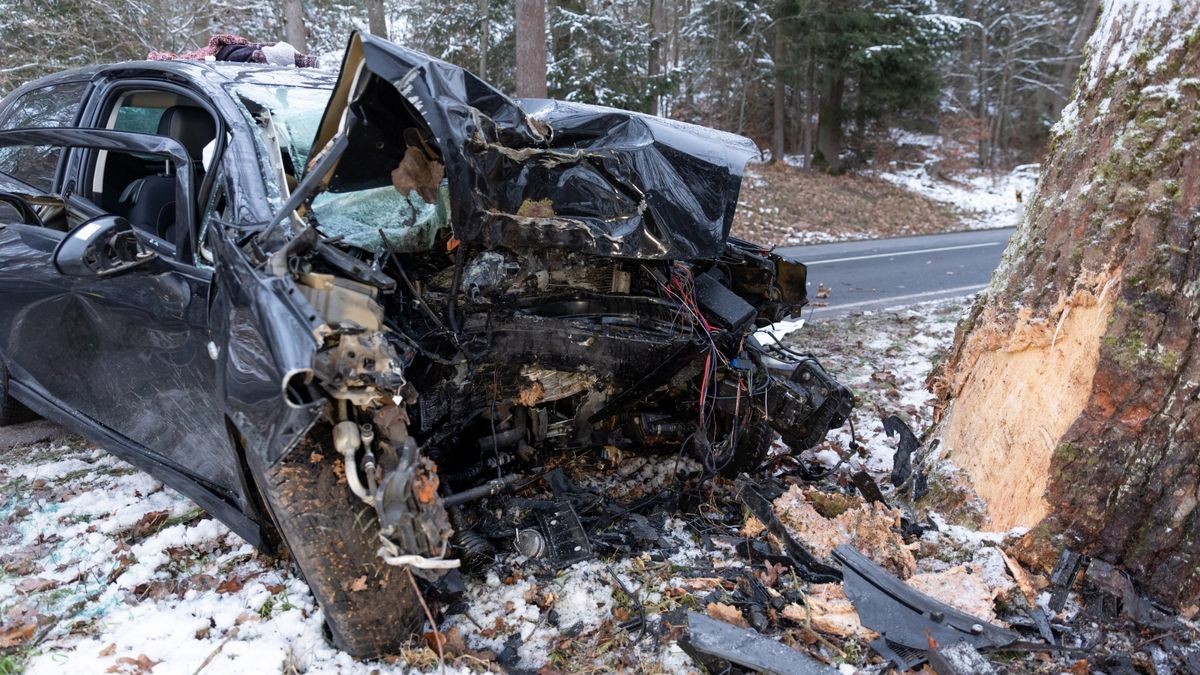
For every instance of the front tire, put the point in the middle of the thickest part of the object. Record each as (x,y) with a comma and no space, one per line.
(370,607)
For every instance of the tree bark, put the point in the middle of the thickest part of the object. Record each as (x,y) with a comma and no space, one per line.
(778,104)
(1069,398)
(830,138)
(810,96)
(377,18)
(654,58)
(294,30)
(485,34)
(531,48)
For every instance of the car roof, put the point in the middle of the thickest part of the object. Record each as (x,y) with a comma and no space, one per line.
(221,71)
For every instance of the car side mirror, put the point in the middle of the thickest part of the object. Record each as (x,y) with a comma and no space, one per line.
(102,246)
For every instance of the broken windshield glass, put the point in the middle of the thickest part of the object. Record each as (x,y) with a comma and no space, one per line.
(296,113)
(410,223)
(357,217)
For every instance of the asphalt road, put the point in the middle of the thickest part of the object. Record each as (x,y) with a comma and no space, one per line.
(886,273)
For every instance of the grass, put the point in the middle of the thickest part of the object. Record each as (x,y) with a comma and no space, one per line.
(12,664)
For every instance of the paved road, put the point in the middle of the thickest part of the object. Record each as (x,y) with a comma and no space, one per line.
(884,273)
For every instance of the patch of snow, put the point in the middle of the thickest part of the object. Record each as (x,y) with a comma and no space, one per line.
(985,201)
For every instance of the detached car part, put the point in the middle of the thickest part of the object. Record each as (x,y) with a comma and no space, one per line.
(909,622)
(716,644)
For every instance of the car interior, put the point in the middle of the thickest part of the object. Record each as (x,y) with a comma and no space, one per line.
(142,187)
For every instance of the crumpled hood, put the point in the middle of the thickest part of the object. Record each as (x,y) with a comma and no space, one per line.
(537,173)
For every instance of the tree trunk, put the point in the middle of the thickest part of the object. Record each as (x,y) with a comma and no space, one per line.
(653,59)
(1083,30)
(531,48)
(810,96)
(778,105)
(485,35)
(294,30)
(1069,398)
(377,18)
(829,121)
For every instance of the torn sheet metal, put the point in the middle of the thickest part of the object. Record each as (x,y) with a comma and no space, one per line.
(713,643)
(909,621)
(535,173)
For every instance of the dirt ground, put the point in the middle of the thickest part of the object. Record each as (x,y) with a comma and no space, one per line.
(785,206)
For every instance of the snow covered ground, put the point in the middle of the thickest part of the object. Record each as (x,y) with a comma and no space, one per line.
(107,570)
(983,200)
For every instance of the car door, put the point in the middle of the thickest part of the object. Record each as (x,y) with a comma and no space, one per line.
(125,353)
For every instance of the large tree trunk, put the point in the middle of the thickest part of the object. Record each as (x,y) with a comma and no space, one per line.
(295,32)
(1070,395)
(531,48)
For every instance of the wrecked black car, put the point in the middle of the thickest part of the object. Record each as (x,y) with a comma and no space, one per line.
(338,313)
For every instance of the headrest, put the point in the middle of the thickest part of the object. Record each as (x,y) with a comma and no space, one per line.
(192,127)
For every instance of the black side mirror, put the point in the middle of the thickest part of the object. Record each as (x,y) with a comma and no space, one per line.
(101,247)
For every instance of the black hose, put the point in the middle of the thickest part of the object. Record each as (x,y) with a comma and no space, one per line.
(460,258)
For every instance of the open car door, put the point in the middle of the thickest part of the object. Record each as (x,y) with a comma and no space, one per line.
(105,329)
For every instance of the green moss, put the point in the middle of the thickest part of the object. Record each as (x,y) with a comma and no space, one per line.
(828,504)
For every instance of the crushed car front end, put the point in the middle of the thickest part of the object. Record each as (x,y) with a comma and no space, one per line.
(462,287)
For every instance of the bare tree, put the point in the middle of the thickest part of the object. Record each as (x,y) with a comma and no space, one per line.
(485,29)
(377,18)
(297,34)
(1070,393)
(778,120)
(531,48)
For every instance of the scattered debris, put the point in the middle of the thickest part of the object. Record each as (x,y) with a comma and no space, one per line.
(826,609)
(808,566)
(871,527)
(959,658)
(715,644)
(908,621)
(1062,578)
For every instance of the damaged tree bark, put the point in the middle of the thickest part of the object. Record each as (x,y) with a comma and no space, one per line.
(1069,397)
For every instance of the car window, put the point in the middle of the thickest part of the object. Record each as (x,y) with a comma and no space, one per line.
(54,106)
(141,120)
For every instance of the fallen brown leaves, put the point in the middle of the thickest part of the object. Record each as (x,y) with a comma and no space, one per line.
(135,665)
(778,202)
(34,585)
(727,613)
(19,626)
(147,525)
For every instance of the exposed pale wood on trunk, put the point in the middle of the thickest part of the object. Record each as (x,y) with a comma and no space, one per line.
(1071,393)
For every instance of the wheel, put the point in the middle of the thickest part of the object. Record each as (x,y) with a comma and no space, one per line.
(11,410)
(370,607)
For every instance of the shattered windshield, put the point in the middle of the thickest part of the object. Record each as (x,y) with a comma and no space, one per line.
(296,114)
(357,218)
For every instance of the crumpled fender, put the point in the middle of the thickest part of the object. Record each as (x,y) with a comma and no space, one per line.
(264,343)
